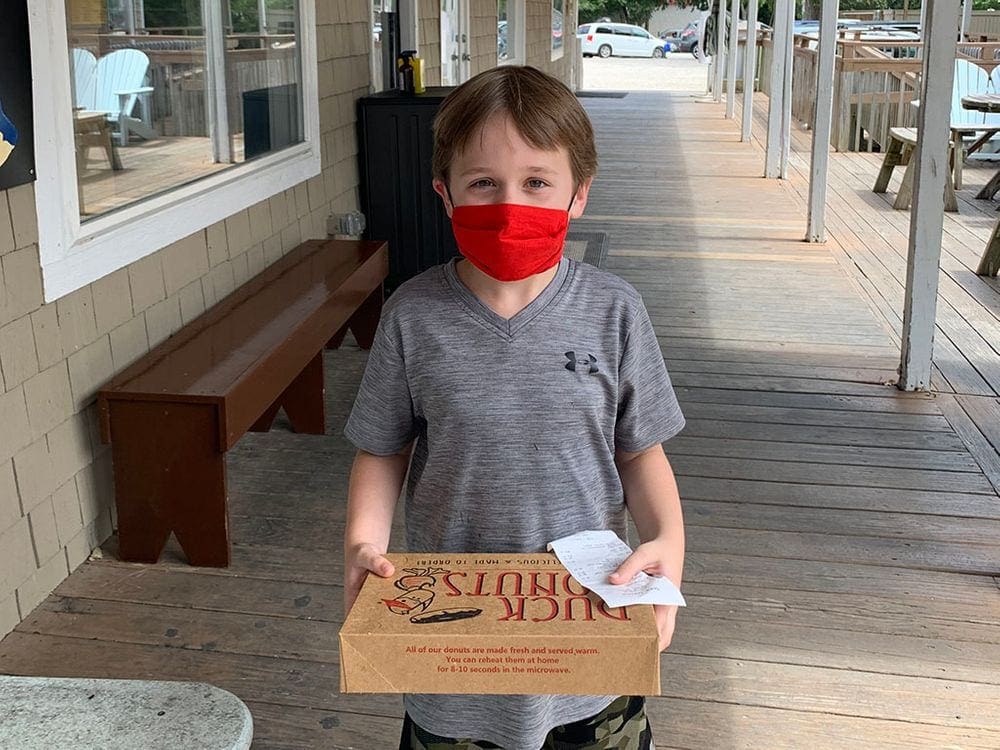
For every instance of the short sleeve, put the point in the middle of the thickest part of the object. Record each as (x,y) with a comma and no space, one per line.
(648,412)
(382,420)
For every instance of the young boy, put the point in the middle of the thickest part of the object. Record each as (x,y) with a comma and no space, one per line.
(525,392)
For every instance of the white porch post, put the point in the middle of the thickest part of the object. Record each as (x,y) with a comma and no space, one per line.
(734,45)
(215,81)
(719,56)
(129,8)
(780,44)
(927,212)
(261,17)
(749,70)
(786,101)
(823,119)
(966,18)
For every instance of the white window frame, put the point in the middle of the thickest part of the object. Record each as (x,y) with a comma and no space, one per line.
(558,53)
(517,24)
(74,253)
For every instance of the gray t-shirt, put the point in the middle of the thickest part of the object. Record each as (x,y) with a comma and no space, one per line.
(516,425)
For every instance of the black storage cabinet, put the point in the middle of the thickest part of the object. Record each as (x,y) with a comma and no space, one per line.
(396,146)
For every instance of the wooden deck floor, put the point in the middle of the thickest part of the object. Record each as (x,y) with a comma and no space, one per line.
(843,559)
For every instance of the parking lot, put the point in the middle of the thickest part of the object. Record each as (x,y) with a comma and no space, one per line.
(678,71)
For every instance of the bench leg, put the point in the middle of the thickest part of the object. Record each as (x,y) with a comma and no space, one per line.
(169,476)
(302,401)
(990,188)
(363,323)
(893,157)
(990,264)
(905,194)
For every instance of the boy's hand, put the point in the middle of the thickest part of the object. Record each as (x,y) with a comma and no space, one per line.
(655,559)
(358,563)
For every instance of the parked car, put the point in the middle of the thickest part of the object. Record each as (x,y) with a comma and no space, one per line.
(682,40)
(619,39)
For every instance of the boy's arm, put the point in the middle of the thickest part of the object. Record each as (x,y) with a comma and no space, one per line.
(371,500)
(654,503)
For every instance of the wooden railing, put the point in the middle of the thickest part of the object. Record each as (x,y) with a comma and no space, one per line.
(875,83)
(177,73)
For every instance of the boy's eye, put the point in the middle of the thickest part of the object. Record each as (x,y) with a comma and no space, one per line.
(536,184)
(483,183)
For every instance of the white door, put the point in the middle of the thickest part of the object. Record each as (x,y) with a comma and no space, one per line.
(455,57)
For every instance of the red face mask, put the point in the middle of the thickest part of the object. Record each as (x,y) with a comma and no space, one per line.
(508,241)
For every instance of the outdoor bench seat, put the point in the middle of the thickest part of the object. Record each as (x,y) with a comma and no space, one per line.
(171,416)
(901,146)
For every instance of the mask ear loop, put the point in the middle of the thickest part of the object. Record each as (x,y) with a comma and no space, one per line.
(451,200)
(572,200)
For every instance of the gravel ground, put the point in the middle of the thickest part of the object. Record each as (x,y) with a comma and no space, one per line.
(678,71)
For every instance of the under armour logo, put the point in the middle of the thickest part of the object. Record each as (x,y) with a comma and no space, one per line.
(589,362)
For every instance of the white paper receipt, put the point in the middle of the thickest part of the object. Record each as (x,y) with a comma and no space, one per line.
(592,556)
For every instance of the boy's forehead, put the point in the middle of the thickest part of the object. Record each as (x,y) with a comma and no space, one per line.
(499,138)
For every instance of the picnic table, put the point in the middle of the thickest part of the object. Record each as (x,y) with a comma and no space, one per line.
(984,103)
(990,263)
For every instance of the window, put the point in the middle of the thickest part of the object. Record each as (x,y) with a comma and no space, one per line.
(510,31)
(165,118)
(557,28)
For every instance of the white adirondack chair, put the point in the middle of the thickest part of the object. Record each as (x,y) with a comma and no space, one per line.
(966,123)
(120,78)
(84,78)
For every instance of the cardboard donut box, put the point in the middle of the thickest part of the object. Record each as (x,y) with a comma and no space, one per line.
(501,624)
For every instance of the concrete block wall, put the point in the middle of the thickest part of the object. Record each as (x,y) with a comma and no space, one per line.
(56,489)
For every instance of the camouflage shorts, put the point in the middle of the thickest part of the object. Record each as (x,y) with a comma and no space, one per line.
(621,726)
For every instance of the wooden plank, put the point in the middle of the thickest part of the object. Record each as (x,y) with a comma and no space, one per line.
(218,593)
(826,435)
(947,557)
(801,363)
(891,402)
(907,596)
(829,474)
(884,525)
(946,504)
(981,447)
(754,635)
(278,727)
(758,448)
(947,703)
(706,411)
(853,613)
(780,385)
(723,723)
(264,680)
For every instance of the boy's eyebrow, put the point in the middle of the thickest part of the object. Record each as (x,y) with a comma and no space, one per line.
(480,169)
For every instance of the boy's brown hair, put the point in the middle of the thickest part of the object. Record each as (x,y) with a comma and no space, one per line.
(544,111)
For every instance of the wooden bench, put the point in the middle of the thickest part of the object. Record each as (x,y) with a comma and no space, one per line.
(171,416)
(902,142)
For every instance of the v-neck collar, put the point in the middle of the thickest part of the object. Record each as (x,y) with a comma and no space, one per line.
(507,327)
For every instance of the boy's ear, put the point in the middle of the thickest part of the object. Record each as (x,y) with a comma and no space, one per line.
(442,190)
(580,199)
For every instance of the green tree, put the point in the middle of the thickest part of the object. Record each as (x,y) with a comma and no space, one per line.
(627,11)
